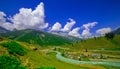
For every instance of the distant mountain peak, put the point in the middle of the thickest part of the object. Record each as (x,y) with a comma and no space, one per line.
(116,31)
(3,30)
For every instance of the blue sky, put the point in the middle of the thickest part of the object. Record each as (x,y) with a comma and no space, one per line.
(105,12)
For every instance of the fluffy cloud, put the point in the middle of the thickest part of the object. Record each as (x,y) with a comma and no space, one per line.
(68,25)
(3,22)
(75,32)
(2,19)
(34,19)
(27,19)
(103,31)
(56,27)
(89,25)
(8,26)
(86,32)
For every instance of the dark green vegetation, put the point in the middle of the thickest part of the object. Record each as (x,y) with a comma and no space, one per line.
(36,37)
(109,35)
(7,62)
(14,48)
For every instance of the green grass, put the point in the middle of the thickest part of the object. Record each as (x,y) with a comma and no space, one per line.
(7,62)
(14,48)
(46,68)
(46,60)
(113,49)
(85,58)
(40,60)
(37,59)
(98,43)
(110,67)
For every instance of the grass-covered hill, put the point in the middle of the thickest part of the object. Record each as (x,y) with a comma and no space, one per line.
(98,43)
(24,55)
(36,37)
(11,58)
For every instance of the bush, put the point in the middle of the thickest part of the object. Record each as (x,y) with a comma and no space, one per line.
(109,35)
(14,48)
(7,62)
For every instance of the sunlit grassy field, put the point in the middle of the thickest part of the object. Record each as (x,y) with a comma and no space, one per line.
(42,57)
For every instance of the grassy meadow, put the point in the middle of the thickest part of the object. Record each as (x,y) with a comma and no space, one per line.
(42,57)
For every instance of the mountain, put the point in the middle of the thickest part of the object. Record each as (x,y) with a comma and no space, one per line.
(98,43)
(36,37)
(73,38)
(3,30)
(62,34)
(117,31)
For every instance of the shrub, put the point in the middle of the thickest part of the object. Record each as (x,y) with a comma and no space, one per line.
(109,35)
(14,48)
(7,62)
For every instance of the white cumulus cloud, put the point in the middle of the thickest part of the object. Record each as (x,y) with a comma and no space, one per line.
(103,31)
(89,25)
(27,19)
(3,22)
(2,19)
(86,32)
(68,25)
(75,32)
(56,27)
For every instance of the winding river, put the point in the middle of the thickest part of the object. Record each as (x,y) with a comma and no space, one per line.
(68,60)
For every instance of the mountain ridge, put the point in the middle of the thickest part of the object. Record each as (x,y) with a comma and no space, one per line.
(37,37)
(116,31)
(3,30)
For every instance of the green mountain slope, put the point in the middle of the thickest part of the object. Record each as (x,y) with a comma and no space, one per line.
(98,43)
(36,37)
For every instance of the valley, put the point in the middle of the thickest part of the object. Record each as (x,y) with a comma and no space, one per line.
(59,34)
(100,54)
